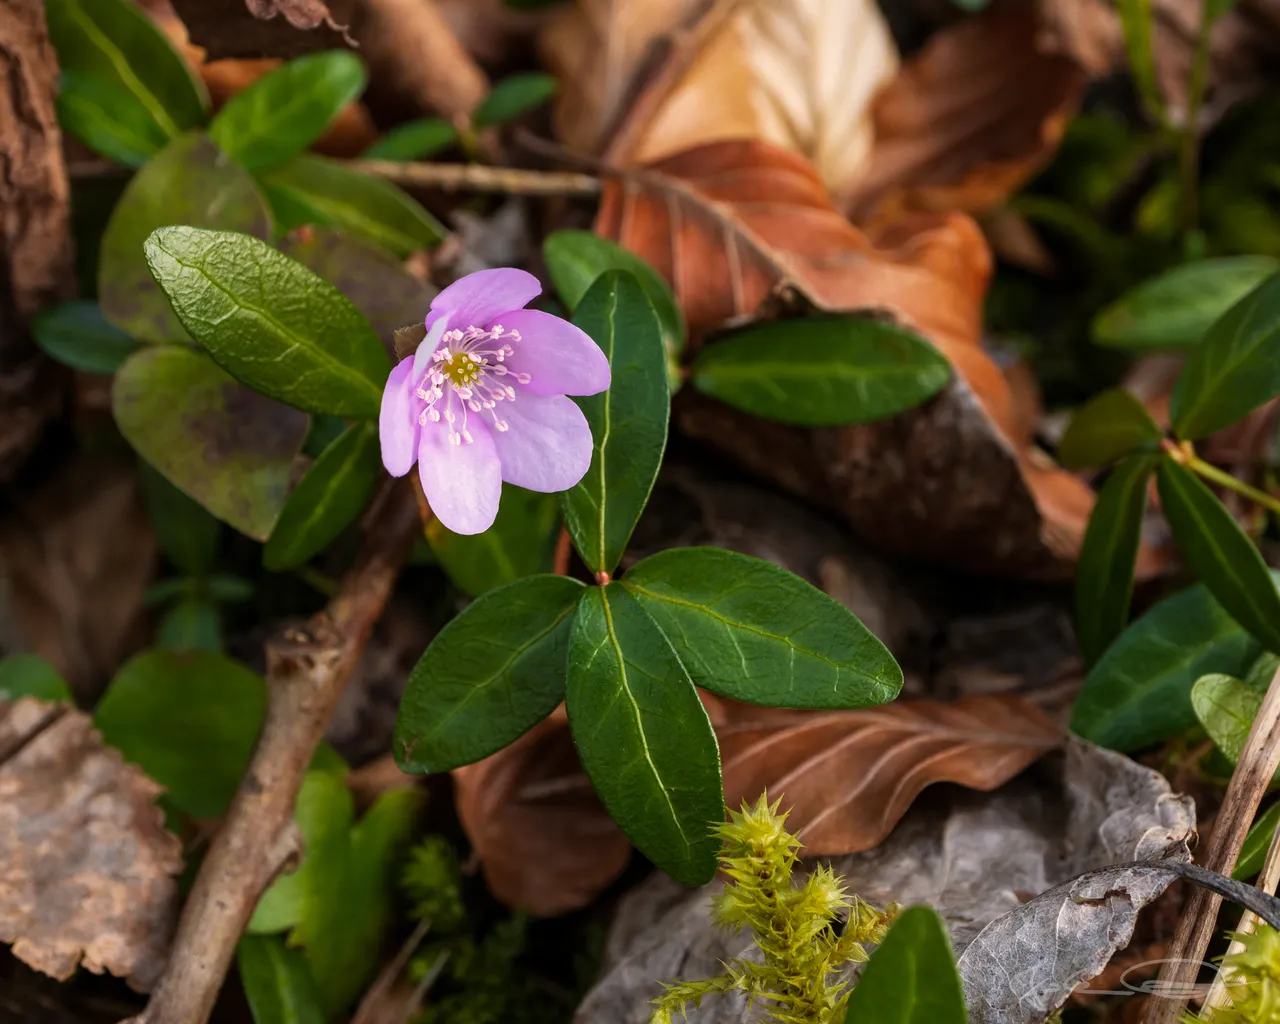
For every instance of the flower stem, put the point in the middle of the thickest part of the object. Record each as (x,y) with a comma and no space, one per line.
(1189,149)
(1210,472)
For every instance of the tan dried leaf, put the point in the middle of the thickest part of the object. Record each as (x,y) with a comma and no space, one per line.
(86,866)
(266,28)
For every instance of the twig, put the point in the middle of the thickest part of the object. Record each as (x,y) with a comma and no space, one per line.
(564,551)
(307,670)
(1253,774)
(479,178)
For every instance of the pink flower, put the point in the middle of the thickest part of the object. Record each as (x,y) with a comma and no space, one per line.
(483,399)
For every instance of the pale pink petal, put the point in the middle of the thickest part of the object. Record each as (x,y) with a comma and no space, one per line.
(463,482)
(475,300)
(547,444)
(398,421)
(559,358)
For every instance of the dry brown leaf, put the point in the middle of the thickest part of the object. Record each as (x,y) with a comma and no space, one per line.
(86,866)
(548,845)
(266,28)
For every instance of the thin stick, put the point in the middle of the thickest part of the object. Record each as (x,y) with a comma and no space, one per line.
(1253,774)
(307,670)
(479,178)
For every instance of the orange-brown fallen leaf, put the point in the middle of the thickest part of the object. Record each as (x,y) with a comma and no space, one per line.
(547,844)
(86,866)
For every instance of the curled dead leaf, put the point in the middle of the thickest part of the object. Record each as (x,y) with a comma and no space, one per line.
(266,28)
(86,866)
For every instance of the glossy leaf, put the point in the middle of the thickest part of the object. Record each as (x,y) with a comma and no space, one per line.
(1174,309)
(188,535)
(821,372)
(193,624)
(1256,844)
(327,499)
(191,182)
(489,676)
(283,112)
(1234,369)
(113,42)
(1222,555)
(225,446)
(108,120)
(1139,692)
(76,334)
(748,629)
(29,675)
(512,97)
(520,542)
(1226,707)
(277,982)
(911,977)
(270,322)
(414,140)
(643,734)
(312,190)
(1104,571)
(628,421)
(189,721)
(1109,427)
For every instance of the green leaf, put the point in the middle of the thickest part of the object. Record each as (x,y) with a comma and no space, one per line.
(489,676)
(749,630)
(189,721)
(327,499)
(1139,692)
(911,977)
(576,258)
(29,675)
(193,624)
(1104,572)
(1222,555)
(1111,426)
(107,120)
(76,334)
(270,322)
(1226,707)
(520,542)
(1256,844)
(283,112)
(628,421)
(228,589)
(1135,17)
(1174,309)
(821,372)
(188,535)
(414,140)
(643,734)
(1235,369)
(191,182)
(114,43)
(227,447)
(512,97)
(312,190)
(277,982)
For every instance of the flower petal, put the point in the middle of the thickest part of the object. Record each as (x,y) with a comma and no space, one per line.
(477,299)
(547,446)
(463,482)
(398,420)
(428,345)
(559,358)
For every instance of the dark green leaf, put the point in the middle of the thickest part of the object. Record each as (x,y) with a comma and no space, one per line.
(1257,843)
(108,120)
(283,112)
(911,977)
(76,334)
(115,43)
(1104,572)
(752,631)
(1139,692)
(324,431)
(628,421)
(520,542)
(1226,708)
(1111,426)
(1262,671)
(821,372)
(229,589)
(331,495)
(1234,369)
(191,625)
(226,446)
(270,322)
(1174,309)
(166,590)
(191,182)
(1222,555)
(189,721)
(188,535)
(512,97)
(643,734)
(29,675)
(312,190)
(277,982)
(489,676)
(414,140)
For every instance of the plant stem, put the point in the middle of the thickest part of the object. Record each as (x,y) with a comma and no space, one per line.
(1189,151)
(1210,472)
